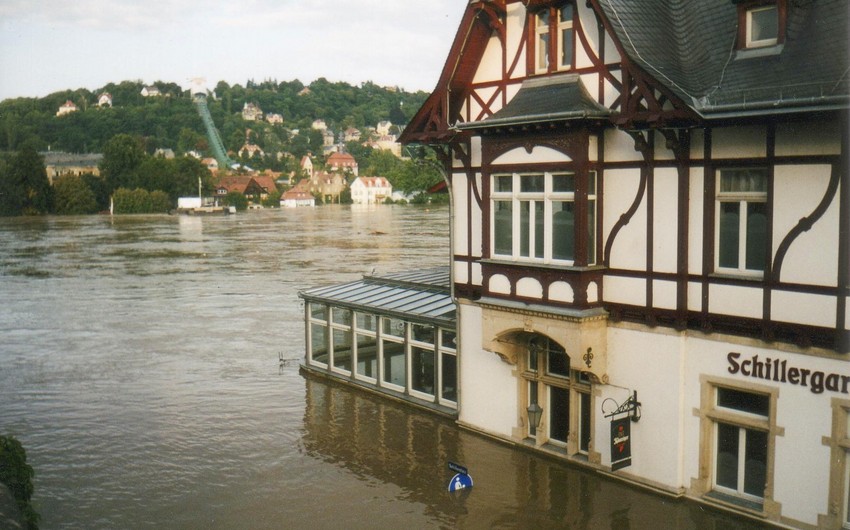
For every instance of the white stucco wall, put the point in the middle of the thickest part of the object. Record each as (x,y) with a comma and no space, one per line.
(651,364)
(739,142)
(813,256)
(488,398)
(629,249)
(664,226)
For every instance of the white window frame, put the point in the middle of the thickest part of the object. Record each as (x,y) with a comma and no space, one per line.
(547,197)
(749,31)
(445,350)
(403,340)
(365,332)
(743,421)
(542,42)
(742,199)
(565,63)
(317,322)
(549,36)
(413,343)
(333,325)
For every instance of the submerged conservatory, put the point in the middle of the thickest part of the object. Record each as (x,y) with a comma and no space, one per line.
(650,262)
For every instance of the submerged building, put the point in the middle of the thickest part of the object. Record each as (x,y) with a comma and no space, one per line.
(651,243)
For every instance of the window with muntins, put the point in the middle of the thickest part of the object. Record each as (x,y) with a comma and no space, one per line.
(554,386)
(741,215)
(741,437)
(534,217)
(553,28)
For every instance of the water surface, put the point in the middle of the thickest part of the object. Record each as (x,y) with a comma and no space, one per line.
(139,366)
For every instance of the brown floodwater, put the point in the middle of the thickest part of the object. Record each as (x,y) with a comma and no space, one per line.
(140,367)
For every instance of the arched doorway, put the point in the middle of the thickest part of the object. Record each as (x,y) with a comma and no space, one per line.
(564,395)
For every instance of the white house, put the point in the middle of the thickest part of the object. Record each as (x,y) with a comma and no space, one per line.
(298,196)
(67,108)
(651,209)
(370,190)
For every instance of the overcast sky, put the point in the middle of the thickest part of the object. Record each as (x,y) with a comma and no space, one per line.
(52,45)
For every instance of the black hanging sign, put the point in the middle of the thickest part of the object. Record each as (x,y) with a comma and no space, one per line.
(621,443)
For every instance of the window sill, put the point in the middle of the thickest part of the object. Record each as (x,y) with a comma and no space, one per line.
(761,51)
(753,507)
(539,265)
(729,275)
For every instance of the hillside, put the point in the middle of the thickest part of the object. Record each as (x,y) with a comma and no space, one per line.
(171,121)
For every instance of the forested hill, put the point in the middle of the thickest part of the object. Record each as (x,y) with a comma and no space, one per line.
(171,121)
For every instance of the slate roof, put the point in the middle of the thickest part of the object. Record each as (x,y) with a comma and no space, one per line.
(690,47)
(421,295)
(555,98)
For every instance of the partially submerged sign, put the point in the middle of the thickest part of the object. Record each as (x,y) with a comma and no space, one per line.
(461,480)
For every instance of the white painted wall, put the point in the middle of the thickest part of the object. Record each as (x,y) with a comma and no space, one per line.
(529,288)
(808,138)
(801,308)
(649,363)
(490,67)
(739,142)
(696,227)
(624,290)
(813,256)
(538,155)
(488,398)
(665,239)
(736,301)
(629,249)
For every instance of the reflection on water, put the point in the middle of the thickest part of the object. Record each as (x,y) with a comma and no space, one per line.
(139,368)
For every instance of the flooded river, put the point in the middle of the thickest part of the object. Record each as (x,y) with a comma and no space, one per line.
(139,367)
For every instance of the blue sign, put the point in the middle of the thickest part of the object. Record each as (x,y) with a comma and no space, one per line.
(461,481)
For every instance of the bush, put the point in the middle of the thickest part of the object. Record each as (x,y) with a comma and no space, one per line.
(237,200)
(140,201)
(17,475)
(72,196)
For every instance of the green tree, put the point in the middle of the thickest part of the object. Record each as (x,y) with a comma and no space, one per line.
(24,187)
(98,187)
(17,475)
(122,156)
(73,197)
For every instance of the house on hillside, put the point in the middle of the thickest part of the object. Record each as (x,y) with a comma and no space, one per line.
(150,91)
(352,134)
(251,112)
(319,125)
(67,108)
(250,150)
(104,100)
(307,165)
(383,128)
(58,164)
(274,119)
(342,162)
(370,190)
(650,251)
(211,164)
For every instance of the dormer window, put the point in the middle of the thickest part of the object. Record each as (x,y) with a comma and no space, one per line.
(553,37)
(761,23)
(762,26)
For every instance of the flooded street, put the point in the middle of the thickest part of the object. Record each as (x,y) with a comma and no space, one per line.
(139,367)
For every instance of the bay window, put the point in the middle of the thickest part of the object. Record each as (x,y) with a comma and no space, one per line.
(534,217)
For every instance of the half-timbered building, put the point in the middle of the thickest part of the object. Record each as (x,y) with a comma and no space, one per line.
(651,220)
